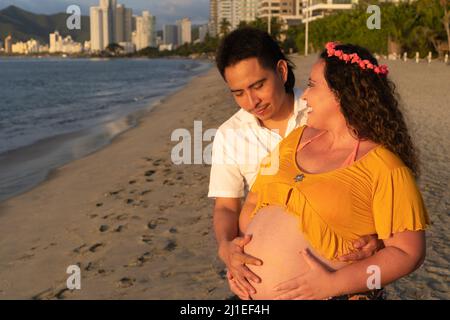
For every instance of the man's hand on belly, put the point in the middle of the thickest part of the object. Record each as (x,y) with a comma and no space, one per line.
(232,254)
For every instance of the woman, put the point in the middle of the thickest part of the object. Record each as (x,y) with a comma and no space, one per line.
(348,173)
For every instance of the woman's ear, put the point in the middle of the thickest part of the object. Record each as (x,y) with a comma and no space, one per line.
(282,70)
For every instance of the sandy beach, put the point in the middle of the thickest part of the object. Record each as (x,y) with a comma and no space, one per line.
(140,227)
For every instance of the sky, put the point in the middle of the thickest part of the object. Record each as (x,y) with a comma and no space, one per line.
(166,11)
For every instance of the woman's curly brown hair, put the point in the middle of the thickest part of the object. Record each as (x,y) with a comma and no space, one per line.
(370,104)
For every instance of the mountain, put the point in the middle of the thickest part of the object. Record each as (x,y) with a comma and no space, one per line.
(23,25)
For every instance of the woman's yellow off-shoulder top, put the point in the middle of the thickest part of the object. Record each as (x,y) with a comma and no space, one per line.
(377,194)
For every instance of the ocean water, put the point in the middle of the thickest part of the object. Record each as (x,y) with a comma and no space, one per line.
(55,110)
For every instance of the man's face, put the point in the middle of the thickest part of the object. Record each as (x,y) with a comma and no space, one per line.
(256,89)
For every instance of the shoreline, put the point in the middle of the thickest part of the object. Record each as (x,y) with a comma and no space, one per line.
(85,141)
(126,188)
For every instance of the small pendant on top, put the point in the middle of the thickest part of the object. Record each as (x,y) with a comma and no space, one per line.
(299,177)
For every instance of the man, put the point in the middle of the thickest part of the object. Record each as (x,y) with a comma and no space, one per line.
(261,79)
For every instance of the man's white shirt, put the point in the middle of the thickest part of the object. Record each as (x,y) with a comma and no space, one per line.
(239,146)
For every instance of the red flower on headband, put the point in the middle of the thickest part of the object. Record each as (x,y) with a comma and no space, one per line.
(354,59)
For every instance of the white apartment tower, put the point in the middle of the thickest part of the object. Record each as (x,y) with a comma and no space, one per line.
(229,10)
(108,13)
(96,29)
(213,17)
(110,23)
(249,10)
(145,31)
(184,31)
(56,42)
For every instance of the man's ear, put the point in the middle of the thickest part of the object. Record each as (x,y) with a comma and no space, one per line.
(282,70)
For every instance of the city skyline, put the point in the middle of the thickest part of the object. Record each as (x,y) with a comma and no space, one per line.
(167,11)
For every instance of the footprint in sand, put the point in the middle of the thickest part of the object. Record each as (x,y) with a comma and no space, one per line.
(122,217)
(103,228)
(152,224)
(114,193)
(25,257)
(147,238)
(107,216)
(155,222)
(50,294)
(149,173)
(144,192)
(96,246)
(50,245)
(171,245)
(90,266)
(126,282)
(79,249)
(120,228)
(139,261)
(163,207)
(173,230)
(168,182)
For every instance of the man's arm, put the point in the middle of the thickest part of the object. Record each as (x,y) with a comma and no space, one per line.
(226,219)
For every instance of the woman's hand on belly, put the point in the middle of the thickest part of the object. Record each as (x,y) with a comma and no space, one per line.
(315,283)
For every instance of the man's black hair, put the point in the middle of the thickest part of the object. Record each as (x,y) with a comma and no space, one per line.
(247,43)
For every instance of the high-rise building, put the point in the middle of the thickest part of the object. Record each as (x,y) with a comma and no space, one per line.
(249,10)
(184,31)
(316,9)
(123,24)
(170,34)
(56,42)
(96,17)
(110,23)
(202,31)
(120,23)
(229,10)
(8,44)
(276,8)
(128,28)
(145,31)
(213,17)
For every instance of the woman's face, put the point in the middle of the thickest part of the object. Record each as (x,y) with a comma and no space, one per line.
(324,107)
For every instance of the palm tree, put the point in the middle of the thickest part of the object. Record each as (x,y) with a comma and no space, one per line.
(242,24)
(225,27)
(446,20)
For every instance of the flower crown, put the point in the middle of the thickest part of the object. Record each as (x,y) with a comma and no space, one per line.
(354,58)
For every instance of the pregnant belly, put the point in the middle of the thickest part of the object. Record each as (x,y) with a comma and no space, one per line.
(277,241)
